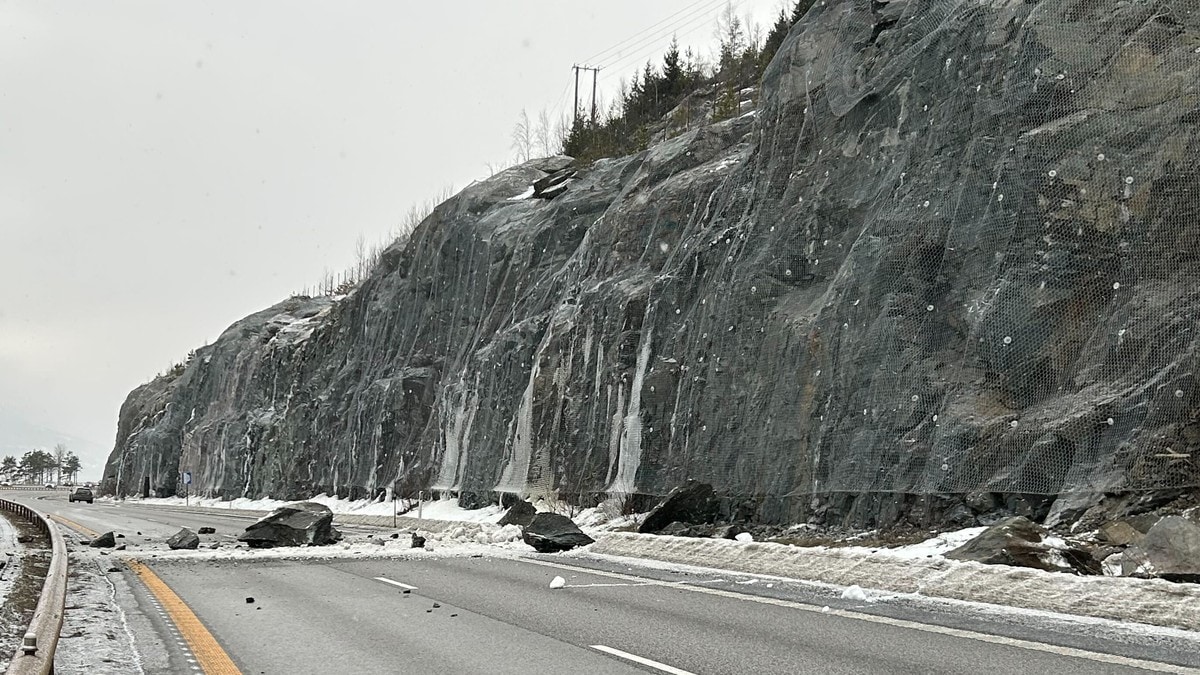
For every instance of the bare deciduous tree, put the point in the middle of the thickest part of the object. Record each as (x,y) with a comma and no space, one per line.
(522,137)
(544,135)
(60,453)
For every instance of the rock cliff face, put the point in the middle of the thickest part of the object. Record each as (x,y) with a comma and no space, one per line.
(949,266)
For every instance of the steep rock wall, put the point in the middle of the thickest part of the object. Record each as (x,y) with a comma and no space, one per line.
(952,259)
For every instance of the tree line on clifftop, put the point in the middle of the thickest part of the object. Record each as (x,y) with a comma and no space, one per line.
(654,92)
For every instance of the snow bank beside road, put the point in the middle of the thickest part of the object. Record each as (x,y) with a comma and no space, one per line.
(1151,601)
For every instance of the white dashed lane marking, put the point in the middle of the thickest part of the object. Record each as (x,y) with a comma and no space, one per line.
(642,660)
(395,583)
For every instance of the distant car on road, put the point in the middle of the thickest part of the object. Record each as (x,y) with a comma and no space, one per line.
(81,495)
(49,486)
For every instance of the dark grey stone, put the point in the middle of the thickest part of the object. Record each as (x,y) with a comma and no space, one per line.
(691,503)
(297,524)
(417,541)
(1012,541)
(106,540)
(518,514)
(551,533)
(1171,550)
(183,539)
(206,530)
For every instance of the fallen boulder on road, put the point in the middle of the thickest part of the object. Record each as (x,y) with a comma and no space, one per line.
(551,533)
(183,539)
(106,540)
(207,530)
(298,524)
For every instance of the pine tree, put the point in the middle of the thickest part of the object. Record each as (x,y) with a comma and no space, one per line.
(673,74)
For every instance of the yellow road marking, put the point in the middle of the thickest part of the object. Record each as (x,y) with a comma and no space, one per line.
(211,657)
(82,529)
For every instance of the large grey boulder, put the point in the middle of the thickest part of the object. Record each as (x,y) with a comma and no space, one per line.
(691,503)
(1171,550)
(520,513)
(551,533)
(184,539)
(1013,541)
(106,540)
(298,524)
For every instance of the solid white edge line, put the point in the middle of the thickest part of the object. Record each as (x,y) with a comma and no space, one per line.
(395,583)
(642,660)
(1155,666)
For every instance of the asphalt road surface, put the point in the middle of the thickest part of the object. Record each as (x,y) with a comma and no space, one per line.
(499,615)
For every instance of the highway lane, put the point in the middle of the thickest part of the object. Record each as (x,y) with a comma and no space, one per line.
(510,599)
(338,616)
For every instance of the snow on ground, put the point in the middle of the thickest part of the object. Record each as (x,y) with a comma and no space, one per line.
(95,637)
(1151,601)
(10,557)
(524,195)
(604,517)
(930,548)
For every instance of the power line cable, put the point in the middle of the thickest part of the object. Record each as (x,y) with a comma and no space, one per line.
(691,25)
(651,43)
(603,52)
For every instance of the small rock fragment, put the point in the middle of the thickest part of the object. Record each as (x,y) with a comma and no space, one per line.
(207,530)
(250,601)
(417,541)
(558,582)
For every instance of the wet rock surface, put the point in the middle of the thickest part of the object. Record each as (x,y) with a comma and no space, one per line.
(953,253)
(552,533)
(298,524)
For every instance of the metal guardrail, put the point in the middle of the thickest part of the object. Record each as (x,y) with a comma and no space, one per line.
(36,654)
(43,488)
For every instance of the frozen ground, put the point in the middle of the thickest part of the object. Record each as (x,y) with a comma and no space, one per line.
(11,622)
(95,637)
(10,557)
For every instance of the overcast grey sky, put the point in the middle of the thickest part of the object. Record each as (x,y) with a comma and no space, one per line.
(169,167)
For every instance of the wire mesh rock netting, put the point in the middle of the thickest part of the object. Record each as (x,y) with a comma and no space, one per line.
(953,251)
(961,256)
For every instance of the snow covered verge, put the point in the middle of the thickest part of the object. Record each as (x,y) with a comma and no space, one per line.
(1151,601)
(916,569)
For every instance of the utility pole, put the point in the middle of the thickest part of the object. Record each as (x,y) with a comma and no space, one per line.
(595,74)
